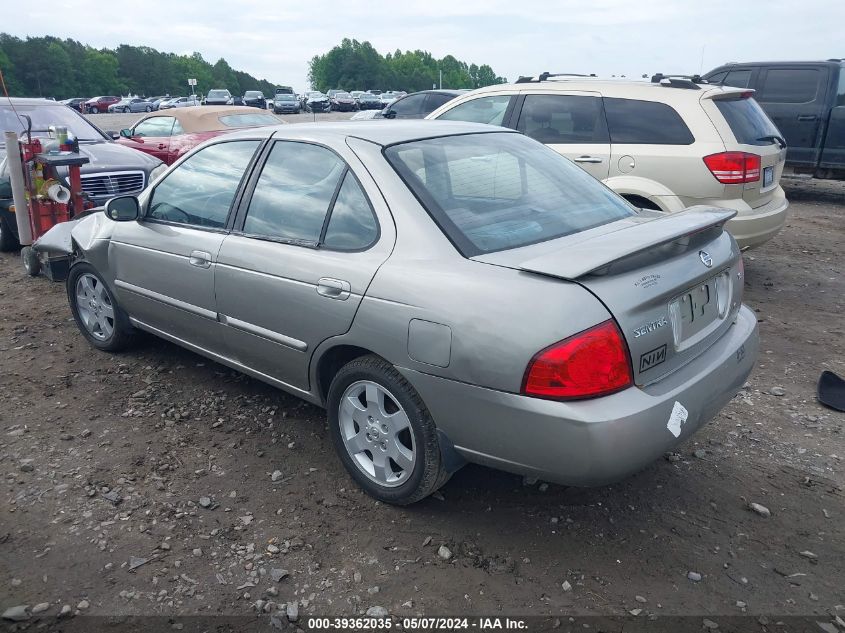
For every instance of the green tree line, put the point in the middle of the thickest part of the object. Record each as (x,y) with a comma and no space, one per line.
(52,67)
(357,65)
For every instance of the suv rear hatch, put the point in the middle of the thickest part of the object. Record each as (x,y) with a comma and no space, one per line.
(672,282)
(745,127)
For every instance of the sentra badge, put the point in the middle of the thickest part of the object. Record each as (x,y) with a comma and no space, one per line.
(648,328)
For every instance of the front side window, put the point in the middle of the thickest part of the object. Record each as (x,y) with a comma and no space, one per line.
(491,192)
(408,106)
(199,192)
(563,119)
(645,122)
(293,193)
(790,85)
(738,78)
(489,110)
(156,126)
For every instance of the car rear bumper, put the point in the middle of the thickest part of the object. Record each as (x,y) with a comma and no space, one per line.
(589,442)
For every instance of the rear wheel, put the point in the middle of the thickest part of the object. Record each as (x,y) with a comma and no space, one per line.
(8,241)
(97,313)
(383,432)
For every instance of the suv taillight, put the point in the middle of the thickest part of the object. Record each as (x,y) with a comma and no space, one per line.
(593,363)
(734,168)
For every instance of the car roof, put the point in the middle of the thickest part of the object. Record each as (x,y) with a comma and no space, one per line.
(373,131)
(203,118)
(803,62)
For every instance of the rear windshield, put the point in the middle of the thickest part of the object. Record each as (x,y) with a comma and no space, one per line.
(492,192)
(747,121)
(248,120)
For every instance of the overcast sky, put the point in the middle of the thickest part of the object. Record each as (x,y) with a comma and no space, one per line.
(606,37)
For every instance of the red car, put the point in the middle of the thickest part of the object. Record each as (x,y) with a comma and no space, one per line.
(99,104)
(169,134)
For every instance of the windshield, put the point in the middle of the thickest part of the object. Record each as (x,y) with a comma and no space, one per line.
(248,120)
(252,94)
(284,97)
(216,94)
(44,116)
(342,95)
(491,192)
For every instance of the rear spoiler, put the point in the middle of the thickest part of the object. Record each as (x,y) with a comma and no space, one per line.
(731,93)
(597,252)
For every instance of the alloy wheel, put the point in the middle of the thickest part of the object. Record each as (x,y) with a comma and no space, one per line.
(376,433)
(95,307)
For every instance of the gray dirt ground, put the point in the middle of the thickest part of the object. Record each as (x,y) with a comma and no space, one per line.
(107,458)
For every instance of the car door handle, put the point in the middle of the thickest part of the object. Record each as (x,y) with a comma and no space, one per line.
(200,259)
(587,159)
(807,117)
(333,288)
(161,145)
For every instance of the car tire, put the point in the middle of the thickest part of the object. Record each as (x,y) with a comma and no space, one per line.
(149,108)
(8,241)
(93,110)
(389,421)
(108,333)
(30,261)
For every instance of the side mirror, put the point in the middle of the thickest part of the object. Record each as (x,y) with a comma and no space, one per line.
(387,113)
(126,133)
(123,209)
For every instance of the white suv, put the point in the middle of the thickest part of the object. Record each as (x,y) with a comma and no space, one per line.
(664,145)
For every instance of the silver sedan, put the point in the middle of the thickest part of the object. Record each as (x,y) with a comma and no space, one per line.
(449,292)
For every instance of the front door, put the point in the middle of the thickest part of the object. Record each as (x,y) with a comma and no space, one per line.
(152,136)
(304,250)
(794,98)
(164,264)
(572,124)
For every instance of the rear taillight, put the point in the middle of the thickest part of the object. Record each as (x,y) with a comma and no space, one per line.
(734,168)
(593,363)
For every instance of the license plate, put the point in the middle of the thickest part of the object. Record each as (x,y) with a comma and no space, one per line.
(768,176)
(694,310)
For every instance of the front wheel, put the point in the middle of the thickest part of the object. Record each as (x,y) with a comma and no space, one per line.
(383,432)
(149,108)
(93,110)
(96,311)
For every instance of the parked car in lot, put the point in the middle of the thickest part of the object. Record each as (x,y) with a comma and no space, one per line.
(666,145)
(806,101)
(76,103)
(583,375)
(418,105)
(131,104)
(96,105)
(387,98)
(218,97)
(179,102)
(255,99)
(367,101)
(285,104)
(317,102)
(157,101)
(168,136)
(112,170)
(343,102)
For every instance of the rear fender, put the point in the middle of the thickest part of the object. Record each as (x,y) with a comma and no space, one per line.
(653,191)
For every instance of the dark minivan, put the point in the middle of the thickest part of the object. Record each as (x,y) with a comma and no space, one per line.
(806,100)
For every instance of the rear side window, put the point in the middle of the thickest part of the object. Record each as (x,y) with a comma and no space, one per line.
(554,119)
(491,192)
(790,85)
(482,110)
(645,122)
(352,225)
(747,121)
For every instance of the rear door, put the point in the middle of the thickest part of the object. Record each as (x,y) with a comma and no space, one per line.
(306,245)
(572,123)
(794,97)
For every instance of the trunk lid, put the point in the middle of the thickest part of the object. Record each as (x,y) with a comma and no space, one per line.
(672,282)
